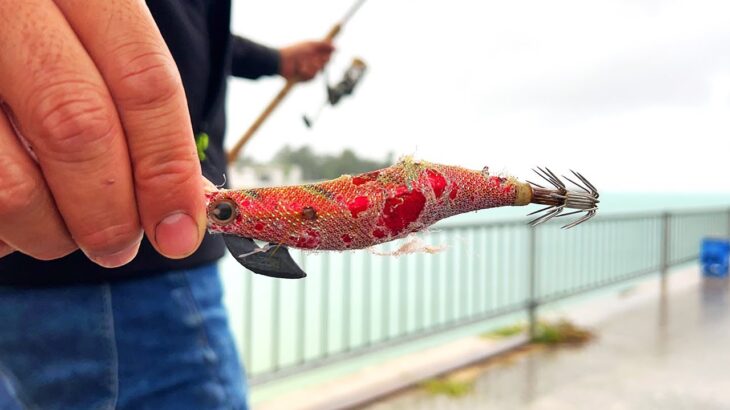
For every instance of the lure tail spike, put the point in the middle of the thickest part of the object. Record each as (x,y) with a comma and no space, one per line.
(559,198)
(555,211)
(537,185)
(577,184)
(570,213)
(540,210)
(589,214)
(583,179)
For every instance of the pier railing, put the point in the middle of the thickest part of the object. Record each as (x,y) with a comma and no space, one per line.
(355,303)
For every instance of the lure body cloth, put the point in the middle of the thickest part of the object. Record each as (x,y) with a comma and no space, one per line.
(353,212)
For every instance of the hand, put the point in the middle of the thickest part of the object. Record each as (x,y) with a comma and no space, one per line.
(302,61)
(93,89)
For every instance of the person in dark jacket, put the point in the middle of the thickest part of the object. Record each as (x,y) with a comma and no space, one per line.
(109,291)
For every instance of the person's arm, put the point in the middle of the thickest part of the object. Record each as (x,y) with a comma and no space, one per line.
(252,60)
(300,61)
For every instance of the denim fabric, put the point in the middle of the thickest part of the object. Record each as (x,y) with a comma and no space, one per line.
(161,342)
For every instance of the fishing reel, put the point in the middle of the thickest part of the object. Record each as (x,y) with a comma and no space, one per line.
(352,77)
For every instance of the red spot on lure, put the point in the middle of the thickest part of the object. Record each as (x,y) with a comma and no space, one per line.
(363,178)
(365,210)
(402,209)
(454,191)
(358,205)
(437,181)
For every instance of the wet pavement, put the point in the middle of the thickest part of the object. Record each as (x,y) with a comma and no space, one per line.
(669,352)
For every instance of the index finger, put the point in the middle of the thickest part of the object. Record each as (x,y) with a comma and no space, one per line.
(146,87)
(64,109)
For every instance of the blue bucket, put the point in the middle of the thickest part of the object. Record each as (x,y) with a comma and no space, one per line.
(715,257)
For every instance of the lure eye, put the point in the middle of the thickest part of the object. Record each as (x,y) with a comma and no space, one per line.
(223,212)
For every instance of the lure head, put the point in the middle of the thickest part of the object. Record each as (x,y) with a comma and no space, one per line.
(221,208)
(222,213)
(224,216)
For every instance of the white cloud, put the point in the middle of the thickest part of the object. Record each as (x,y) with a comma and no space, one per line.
(635,94)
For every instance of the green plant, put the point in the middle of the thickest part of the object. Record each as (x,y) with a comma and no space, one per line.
(202,140)
(448,386)
(505,331)
(560,332)
(546,332)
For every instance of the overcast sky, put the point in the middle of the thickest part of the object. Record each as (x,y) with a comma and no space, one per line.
(634,94)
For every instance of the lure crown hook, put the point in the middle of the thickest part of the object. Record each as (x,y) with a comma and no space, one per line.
(559,198)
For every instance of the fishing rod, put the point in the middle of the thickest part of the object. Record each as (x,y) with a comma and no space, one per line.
(334,31)
(342,89)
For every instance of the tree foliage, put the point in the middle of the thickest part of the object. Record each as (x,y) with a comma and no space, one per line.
(326,166)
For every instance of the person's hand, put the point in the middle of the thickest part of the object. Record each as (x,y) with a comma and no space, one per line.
(302,61)
(93,89)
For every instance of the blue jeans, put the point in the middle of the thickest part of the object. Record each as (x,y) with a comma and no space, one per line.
(161,342)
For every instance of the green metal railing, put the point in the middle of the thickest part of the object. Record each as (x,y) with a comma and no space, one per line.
(354,303)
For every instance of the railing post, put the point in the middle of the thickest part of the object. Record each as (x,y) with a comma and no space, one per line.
(532,303)
(664,257)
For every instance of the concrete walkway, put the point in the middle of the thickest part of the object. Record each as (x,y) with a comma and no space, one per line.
(659,352)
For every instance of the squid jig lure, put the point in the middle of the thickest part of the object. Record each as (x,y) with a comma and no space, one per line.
(355,212)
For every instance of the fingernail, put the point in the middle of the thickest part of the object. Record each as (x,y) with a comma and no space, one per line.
(177,235)
(117,259)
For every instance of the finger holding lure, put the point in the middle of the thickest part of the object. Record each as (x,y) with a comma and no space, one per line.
(355,212)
